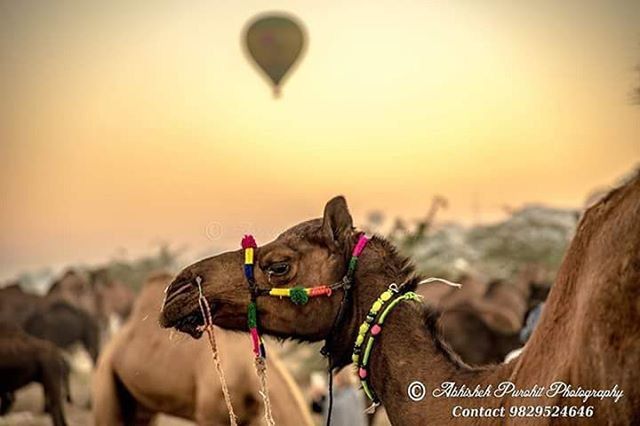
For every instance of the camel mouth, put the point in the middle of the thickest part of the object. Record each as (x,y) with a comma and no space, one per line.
(179,310)
(191,324)
(183,314)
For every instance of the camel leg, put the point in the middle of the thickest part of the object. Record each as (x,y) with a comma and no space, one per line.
(6,401)
(66,375)
(143,417)
(133,414)
(113,405)
(52,373)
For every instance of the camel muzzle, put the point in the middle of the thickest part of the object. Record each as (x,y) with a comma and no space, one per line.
(175,289)
(180,295)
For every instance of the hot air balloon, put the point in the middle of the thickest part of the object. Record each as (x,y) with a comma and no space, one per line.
(274,42)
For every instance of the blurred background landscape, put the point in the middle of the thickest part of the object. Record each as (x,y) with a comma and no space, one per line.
(124,125)
(137,137)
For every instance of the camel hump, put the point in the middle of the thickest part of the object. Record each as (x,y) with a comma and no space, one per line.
(611,223)
(158,278)
(151,294)
(592,298)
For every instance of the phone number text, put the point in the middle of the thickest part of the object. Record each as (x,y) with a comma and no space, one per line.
(525,411)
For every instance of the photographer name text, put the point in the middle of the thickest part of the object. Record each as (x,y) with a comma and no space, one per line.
(507,388)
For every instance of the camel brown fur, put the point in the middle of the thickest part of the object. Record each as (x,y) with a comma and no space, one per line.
(473,288)
(146,370)
(25,359)
(483,329)
(75,288)
(16,305)
(65,325)
(74,306)
(504,305)
(588,335)
(49,318)
(95,292)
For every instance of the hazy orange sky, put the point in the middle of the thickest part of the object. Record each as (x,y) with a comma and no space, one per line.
(127,123)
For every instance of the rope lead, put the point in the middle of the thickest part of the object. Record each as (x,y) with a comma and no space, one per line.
(261,371)
(205,310)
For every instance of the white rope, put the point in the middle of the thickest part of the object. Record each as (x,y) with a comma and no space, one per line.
(442,280)
(372,408)
(261,370)
(208,328)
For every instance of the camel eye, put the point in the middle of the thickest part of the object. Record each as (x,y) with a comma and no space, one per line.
(278,269)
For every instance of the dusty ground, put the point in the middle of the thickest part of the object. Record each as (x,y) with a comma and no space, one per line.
(29,404)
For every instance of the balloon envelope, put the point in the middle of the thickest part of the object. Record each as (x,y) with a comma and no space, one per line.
(275,43)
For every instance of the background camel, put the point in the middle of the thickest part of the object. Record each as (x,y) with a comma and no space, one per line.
(65,325)
(482,328)
(144,370)
(588,335)
(95,292)
(50,318)
(25,359)
(78,307)
(17,305)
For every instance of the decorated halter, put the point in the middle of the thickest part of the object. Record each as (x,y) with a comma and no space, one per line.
(369,329)
(298,295)
(249,246)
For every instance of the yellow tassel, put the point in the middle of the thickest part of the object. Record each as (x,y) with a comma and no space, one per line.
(248,256)
(281,292)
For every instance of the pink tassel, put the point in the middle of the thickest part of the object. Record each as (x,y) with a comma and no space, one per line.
(360,245)
(255,338)
(248,242)
(362,373)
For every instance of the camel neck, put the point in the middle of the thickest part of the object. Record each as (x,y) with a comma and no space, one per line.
(408,354)
(409,348)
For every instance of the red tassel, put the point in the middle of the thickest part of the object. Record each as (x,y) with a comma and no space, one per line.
(320,291)
(248,242)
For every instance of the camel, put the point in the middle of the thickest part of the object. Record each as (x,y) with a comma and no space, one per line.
(16,305)
(95,292)
(530,284)
(444,297)
(25,359)
(484,328)
(588,336)
(145,370)
(505,304)
(65,325)
(49,318)
(75,288)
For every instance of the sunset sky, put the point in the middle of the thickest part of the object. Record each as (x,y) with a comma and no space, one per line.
(124,123)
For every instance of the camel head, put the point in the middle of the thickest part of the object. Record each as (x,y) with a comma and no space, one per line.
(310,254)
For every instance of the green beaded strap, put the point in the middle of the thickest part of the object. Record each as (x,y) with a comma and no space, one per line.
(371,327)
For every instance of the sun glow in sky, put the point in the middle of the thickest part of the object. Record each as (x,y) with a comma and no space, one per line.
(127,123)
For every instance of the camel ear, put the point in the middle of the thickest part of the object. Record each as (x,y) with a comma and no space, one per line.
(337,222)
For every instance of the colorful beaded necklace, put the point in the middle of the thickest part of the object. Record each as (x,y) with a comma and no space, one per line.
(369,329)
(298,295)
